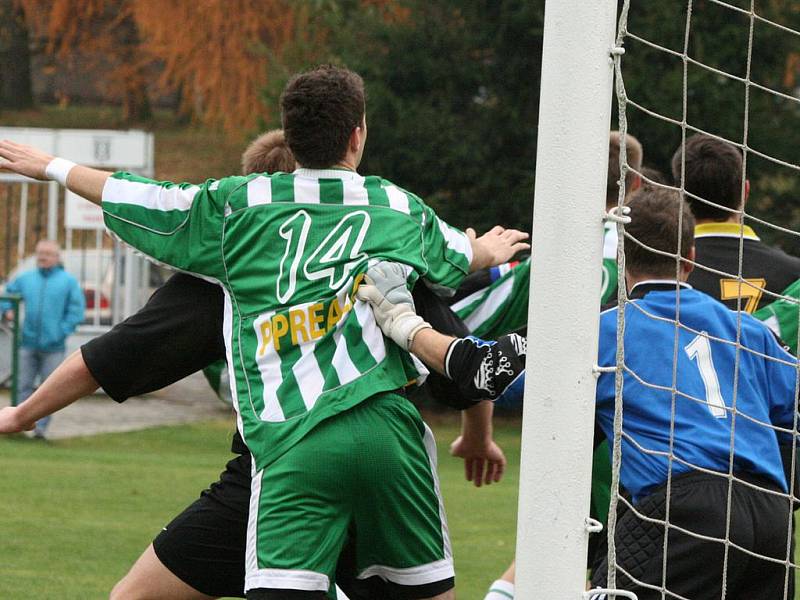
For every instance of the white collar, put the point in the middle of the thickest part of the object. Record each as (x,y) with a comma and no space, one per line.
(328,174)
(673,282)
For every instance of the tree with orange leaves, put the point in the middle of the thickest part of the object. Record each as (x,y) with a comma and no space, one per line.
(216,55)
(104,30)
(224,55)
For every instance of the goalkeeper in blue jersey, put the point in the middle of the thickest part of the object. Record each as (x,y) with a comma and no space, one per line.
(723,398)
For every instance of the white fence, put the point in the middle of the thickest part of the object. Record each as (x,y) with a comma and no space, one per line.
(115,282)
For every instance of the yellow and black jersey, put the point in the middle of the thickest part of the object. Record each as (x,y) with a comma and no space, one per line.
(763,267)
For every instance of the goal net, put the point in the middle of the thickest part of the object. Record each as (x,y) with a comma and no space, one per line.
(700,82)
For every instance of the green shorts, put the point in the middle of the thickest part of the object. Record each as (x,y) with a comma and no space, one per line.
(369,472)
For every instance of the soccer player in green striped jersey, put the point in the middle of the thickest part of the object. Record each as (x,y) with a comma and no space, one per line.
(782,316)
(502,306)
(334,443)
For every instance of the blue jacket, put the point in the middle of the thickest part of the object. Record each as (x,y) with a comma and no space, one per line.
(54,306)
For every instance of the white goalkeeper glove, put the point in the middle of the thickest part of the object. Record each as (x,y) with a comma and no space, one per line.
(385,290)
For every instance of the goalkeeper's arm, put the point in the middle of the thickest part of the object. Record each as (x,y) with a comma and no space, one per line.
(481,370)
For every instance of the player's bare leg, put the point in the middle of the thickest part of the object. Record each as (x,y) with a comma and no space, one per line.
(149,579)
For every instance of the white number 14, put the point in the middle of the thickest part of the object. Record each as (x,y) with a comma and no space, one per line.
(699,349)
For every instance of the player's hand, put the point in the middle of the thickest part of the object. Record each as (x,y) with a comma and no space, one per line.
(385,290)
(484,461)
(10,421)
(23,159)
(496,246)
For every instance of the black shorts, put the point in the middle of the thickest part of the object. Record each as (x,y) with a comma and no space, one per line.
(204,546)
(760,523)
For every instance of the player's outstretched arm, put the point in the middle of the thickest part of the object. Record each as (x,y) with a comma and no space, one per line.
(495,247)
(393,306)
(32,162)
(68,383)
(481,369)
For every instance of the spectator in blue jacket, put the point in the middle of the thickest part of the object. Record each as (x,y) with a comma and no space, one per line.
(54,306)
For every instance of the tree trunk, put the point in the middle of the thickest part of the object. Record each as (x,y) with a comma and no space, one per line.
(135,102)
(15,58)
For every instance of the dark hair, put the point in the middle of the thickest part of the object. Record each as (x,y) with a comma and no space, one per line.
(268,153)
(320,108)
(713,172)
(654,176)
(654,222)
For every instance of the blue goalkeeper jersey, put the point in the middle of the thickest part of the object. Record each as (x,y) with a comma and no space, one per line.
(705,351)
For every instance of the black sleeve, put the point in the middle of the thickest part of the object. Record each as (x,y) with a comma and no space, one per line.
(491,370)
(435,311)
(178,332)
(472,283)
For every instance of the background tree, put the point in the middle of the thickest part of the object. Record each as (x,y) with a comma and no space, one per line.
(453,96)
(717,103)
(453,87)
(15,60)
(216,55)
(105,33)
(453,99)
(225,57)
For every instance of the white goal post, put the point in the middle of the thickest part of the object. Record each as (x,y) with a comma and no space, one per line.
(558,418)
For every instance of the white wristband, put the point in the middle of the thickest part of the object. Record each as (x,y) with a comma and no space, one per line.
(58,169)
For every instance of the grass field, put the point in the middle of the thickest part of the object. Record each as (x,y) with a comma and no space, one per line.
(76,513)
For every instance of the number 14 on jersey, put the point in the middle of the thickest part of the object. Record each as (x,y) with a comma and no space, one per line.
(333,259)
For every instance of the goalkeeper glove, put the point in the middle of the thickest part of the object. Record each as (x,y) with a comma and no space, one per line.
(488,370)
(385,290)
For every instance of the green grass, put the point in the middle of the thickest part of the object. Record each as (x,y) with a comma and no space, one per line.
(482,521)
(77,513)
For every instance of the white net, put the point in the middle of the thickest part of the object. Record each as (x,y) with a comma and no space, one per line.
(723,70)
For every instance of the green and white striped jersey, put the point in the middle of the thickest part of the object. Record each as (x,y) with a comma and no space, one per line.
(289,250)
(783,316)
(502,307)
(499,308)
